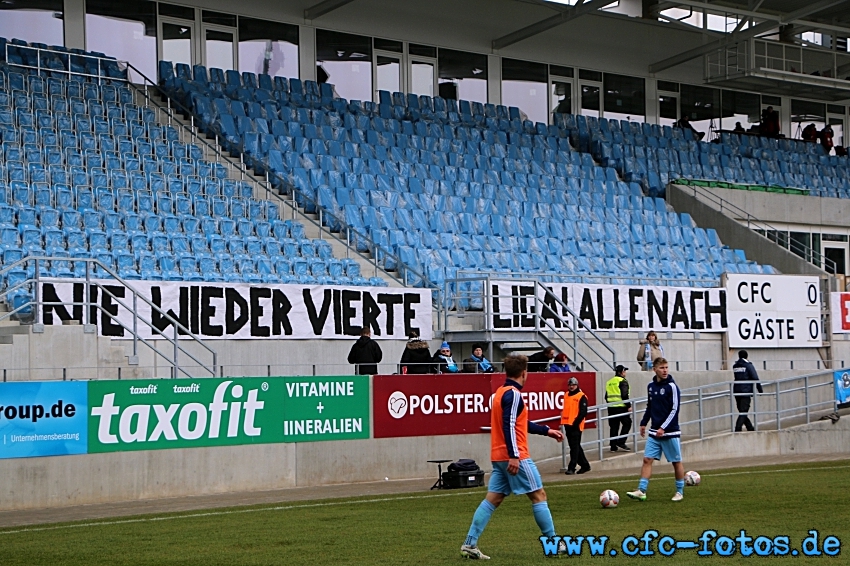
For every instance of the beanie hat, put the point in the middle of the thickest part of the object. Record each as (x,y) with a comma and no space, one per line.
(445,346)
(572,381)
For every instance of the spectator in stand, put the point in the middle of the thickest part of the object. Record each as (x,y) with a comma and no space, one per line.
(539,362)
(840,151)
(365,354)
(649,350)
(810,133)
(477,363)
(826,135)
(561,365)
(739,129)
(685,123)
(769,127)
(416,358)
(443,361)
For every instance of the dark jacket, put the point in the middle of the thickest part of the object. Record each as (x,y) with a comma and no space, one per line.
(662,407)
(477,365)
(745,371)
(417,358)
(365,354)
(441,364)
(538,362)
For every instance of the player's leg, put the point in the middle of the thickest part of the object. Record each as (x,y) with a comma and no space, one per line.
(673,453)
(528,478)
(651,452)
(498,488)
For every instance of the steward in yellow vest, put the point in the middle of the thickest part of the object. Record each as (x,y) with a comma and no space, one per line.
(620,419)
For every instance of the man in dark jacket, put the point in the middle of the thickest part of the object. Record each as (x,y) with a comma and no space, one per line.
(365,354)
(744,372)
(416,358)
(539,362)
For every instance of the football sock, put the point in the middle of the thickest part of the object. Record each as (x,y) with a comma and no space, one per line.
(680,486)
(643,484)
(544,518)
(479,521)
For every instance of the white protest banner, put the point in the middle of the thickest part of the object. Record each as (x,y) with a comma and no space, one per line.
(839,307)
(774,311)
(242,311)
(609,307)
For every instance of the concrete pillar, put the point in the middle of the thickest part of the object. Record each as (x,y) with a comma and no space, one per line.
(651,101)
(785,118)
(494,79)
(75,24)
(307,53)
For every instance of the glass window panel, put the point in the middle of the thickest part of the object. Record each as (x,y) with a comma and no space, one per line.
(218,18)
(41,24)
(177,43)
(668,86)
(590,95)
(804,112)
(219,46)
(625,98)
(701,105)
(559,71)
(837,125)
(668,110)
(422,78)
(173,11)
(774,101)
(125,30)
(562,97)
(422,50)
(388,74)
(524,86)
(743,107)
(389,45)
(269,48)
(586,75)
(463,75)
(347,60)
(834,109)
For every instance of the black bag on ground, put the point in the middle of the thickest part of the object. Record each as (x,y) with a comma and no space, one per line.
(463,473)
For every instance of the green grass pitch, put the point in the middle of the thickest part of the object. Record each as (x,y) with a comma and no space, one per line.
(428,528)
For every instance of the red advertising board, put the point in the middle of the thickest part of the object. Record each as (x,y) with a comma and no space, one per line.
(433,405)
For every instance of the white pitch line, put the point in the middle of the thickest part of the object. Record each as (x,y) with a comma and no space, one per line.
(377,500)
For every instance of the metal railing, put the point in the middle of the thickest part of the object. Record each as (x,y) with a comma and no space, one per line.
(42,53)
(35,303)
(560,277)
(805,252)
(709,410)
(381,258)
(552,318)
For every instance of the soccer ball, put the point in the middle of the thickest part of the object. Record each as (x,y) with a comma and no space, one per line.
(609,499)
(692,478)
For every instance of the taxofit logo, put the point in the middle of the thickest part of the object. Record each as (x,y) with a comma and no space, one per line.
(397,405)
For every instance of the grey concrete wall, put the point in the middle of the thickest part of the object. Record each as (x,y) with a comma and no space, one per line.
(820,437)
(792,209)
(32,483)
(737,236)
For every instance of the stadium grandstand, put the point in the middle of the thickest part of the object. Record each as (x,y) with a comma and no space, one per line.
(234,190)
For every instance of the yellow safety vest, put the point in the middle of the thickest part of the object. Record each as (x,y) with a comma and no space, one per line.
(612,391)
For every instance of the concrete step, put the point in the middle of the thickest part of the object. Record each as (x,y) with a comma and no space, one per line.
(17,329)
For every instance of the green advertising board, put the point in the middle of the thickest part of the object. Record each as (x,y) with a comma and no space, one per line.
(188,413)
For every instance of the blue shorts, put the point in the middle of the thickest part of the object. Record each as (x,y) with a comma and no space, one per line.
(526,480)
(670,447)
